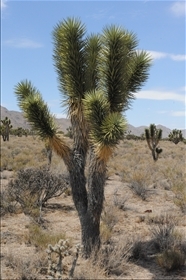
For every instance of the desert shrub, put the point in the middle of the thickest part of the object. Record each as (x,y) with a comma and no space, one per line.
(163,236)
(170,245)
(27,268)
(180,201)
(138,250)
(120,202)
(113,258)
(139,188)
(33,187)
(40,237)
(139,179)
(180,195)
(108,221)
(171,259)
(162,219)
(7,204)
(108,217)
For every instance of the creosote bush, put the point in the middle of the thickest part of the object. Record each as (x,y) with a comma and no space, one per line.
(33,187)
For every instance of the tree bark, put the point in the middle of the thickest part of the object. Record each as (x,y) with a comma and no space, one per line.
(90,230)
(88,201)
(95,191)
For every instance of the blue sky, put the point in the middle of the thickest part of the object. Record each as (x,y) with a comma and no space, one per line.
(27,47)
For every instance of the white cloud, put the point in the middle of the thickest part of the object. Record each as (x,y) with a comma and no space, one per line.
(3,4)
(178,8)
(157,55)
(179,113)
(160,95)
(23,43)
(178,57)
(160,55)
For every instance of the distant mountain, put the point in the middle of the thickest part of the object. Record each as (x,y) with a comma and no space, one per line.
(17,120)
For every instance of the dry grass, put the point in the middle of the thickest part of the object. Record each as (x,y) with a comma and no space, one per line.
(152,195)
(28,268)
(40,238)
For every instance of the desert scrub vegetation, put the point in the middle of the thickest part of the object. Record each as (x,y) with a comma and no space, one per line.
(27,268)
(108,221)
(40,237)
(7,203)
(119,201)
(130,159)
(169,243)
(18,153)
(33,187)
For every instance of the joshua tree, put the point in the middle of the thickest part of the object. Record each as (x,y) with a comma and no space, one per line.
(175,136)
(98,76)
(153,136)
(5,128)
(69,132)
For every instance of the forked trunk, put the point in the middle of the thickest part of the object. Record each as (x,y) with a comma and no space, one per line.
(91,221)
(88,201)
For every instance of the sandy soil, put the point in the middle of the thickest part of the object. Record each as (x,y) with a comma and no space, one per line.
(61,216)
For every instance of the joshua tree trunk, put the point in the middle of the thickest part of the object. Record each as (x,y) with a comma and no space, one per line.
(90,230)
(88,201)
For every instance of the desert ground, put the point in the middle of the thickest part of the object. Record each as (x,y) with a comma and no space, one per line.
(143,224)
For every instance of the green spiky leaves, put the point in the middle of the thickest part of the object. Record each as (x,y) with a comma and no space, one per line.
(153,133)
(123,69)
(23,90)
(116,47)
(92,60)
(68,56)
(113,128)
(106,128)
(175,136)
(35,109)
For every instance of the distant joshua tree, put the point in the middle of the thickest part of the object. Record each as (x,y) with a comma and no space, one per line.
(5,128)
(175,136)
(153,136)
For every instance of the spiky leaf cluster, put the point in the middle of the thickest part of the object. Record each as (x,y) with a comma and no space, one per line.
(98,77)
(123,69)
(69,57)
(93,61)
(36,111)
(153,134)
(6,121)
(175,136)
(106,127)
